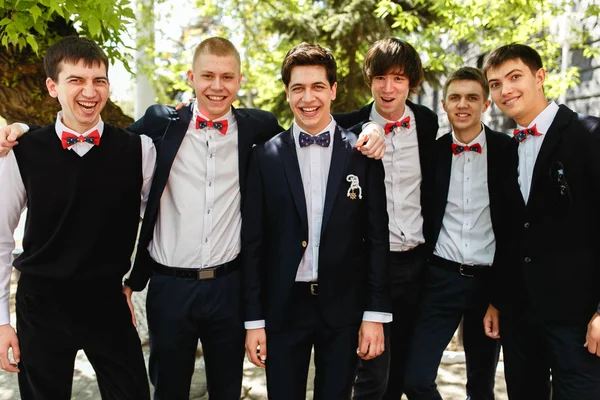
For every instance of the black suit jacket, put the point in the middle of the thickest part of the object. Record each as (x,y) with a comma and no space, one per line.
(427,128)
(502,167)
(556,270)
(353,268)
(167,128)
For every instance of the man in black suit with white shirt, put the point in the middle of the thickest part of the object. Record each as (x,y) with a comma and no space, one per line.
(314,243)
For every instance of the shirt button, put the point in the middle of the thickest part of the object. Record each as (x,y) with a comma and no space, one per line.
(527,260)
(208,212)
(304,244)
(526,225)
(206,240)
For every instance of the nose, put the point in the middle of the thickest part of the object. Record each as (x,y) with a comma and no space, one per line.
(387,85)
(462,103)
(88,89)
(506,89)
(308,96)
(216,84)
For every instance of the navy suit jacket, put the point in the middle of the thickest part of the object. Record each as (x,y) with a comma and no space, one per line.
(167,128)
(427,128)
(556,266)
(502,164)
(353,267)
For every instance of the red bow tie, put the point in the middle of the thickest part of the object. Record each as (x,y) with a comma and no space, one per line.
(220,125)
(390,126)
(521,134)
(458,149)
(69,139)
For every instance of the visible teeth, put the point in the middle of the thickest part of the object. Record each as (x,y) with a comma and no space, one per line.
(462,115)
(215,98)
(86,104)
(309,109)
(510,101)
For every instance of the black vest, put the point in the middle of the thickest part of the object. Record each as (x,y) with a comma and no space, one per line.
(83,212)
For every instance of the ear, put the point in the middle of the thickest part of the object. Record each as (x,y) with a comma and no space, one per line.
(486,105)
(540,77)
(287,94)
(51,86)
(444,106)
(240,79)
(334,91)
(190,76)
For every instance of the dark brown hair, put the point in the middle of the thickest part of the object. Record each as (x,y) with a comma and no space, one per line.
(72,49)
(468,74)
(309,54)
(393,55)
(513,51)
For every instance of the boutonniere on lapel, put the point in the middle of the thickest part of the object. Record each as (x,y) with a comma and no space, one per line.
(353,179)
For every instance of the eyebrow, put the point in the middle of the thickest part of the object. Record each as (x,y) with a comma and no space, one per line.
(81,77)
(510,72)
(310,84)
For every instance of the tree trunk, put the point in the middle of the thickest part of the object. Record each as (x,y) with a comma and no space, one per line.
(23,93)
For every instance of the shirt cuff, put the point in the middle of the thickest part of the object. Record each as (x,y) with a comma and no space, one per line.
(375,125)
(254,324)
(374,316)
(23,126)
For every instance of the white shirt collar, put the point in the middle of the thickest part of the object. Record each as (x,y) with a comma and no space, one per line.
(329,128)
(544,119)
(59,127)
(378,119)
(480,139)
(196,113)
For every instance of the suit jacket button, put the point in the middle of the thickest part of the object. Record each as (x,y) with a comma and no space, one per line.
(526,225)
(304,244)
(527,260)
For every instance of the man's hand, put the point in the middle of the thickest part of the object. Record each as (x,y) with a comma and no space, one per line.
(372,134)
(592,337)
(8,138)
(8,339)
(128,292)
(491,322)
(371,341)
(256,346)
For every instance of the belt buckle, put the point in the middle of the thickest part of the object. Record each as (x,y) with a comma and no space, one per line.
(462,273)
(206,274)
(314,289)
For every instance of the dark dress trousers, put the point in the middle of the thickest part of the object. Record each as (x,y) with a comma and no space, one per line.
(548,292)
(180,310)
(448,296)
(353,272)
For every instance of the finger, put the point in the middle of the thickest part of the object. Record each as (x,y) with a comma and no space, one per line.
(362,139)
(16,351)
(254,356)
(7,365)
(263,352)
(12,136)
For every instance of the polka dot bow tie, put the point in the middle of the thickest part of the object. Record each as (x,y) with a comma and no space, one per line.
(69,139)
(458,149)
(522,134)
(322,140)
(220,125)
(390,126)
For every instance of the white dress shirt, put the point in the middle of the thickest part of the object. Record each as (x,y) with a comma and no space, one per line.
(199,219)
(402,182)
(530,147)
(13,200)
(466,236)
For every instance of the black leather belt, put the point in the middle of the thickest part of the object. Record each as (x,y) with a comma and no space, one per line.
(307,287)
(199,274)
(466,270)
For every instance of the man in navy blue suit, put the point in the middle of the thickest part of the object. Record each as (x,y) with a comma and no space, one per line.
(314,243)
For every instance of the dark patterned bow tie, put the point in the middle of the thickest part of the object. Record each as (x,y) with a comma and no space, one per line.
(521,134)
(220,125)
(458,149)
(69,139)
(322,139)
(390,126)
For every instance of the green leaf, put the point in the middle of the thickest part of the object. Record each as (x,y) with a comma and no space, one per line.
(5,21)
(32,42)
(36,12)
(94,26)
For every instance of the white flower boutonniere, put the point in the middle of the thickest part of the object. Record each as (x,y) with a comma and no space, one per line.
(353,179)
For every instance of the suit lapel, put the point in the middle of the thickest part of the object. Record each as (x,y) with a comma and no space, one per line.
(552,139)
(442,179)
(172,138)
(245,142)
(339,158)
(289,159)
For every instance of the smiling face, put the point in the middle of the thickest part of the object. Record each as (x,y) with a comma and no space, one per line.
(517,90)
(465,102)
(82,92)
(390,92)
(216,81)
(309,95)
